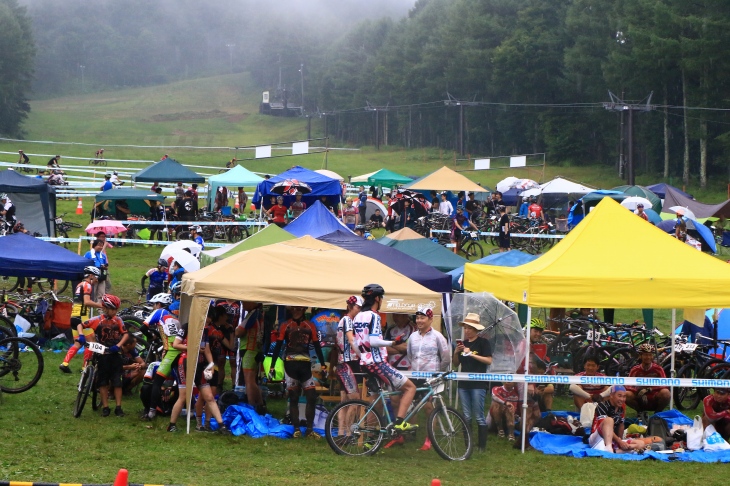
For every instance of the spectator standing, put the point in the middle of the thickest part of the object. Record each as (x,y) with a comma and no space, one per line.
(298,206)
(362,205)
(474,355)
(278,212)
(107,183)
(445,206)
(504,233)
(350,214)
(97,255)
(179,190)
(524,207)
(242,200)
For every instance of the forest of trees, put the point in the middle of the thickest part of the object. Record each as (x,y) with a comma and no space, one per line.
(531,74)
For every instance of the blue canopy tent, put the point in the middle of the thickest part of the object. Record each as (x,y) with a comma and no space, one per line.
(322,186)
(512,258)
(34,200)
(316,221)
(512,197)
(26,256)
(417,271)
(661,190)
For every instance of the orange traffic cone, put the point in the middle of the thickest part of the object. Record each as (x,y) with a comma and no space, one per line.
(122,478)
(236,205)
(79,208)
(434,482)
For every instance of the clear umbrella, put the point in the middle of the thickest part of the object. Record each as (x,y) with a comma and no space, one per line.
(501,328)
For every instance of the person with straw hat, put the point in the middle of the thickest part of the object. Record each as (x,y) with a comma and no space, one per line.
(474,354)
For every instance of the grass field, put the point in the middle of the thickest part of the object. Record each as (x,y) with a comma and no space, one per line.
(42,441)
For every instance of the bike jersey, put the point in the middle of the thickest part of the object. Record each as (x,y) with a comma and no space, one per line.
(204,339)
(109,331)
(606,410)
(156,316)
(350,212)
(233,311)
(199,240)
(299,338)
(297,208)
(157,278)
(591,389)
(151,370)
(391,334)
(502,395)
(253,324)
(714,410)
(343,327)
(654,371)
(82,289)
(534,211)
(215,341)
(367,324)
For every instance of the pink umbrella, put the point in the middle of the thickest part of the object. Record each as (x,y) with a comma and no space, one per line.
(108,226)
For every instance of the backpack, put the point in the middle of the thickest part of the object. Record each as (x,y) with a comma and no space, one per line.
(555,425)
(657,427)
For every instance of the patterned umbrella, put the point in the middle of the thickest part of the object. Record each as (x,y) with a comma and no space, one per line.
(290,187)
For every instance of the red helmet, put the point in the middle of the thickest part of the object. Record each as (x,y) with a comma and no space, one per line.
(110,301)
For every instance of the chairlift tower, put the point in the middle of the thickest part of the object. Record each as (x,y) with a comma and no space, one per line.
(461,104)
(617,104)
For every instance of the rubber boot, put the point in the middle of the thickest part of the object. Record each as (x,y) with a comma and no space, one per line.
(482,445)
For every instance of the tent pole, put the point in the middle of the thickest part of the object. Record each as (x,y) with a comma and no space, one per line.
(673,372)
(524,386)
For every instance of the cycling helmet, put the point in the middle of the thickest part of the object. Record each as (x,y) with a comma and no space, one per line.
(110,301)
(360,227)
(533,199)
(646,348)
(3,196)
(525,198)
(197,229)
(373,290)
(536,323)
(162,263)
(92,270)
(116,173)
(176,288)
(164,299)
(459,207)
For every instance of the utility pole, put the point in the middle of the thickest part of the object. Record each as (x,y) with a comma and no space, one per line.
(81,67)
(461,104)
(230,56)
(620,105)
(377,109)
(301,72)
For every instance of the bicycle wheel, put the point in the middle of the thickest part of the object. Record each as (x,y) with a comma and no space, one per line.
(473,251)
(85,384)
(95,395)
(8,284)
(21,365)
(134,327)
(7,328)
(686,398)
(620,362)
(449,434)
(354,429)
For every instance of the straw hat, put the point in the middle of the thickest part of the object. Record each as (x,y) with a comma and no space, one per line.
(472,320)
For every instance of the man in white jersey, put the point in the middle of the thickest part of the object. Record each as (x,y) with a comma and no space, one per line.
(369,340)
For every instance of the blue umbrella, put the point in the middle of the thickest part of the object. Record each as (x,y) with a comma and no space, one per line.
(654,218)
(703,231)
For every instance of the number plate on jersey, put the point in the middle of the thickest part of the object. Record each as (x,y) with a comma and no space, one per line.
(97,348)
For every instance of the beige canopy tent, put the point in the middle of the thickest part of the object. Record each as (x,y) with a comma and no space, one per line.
(445,179)
(301,272)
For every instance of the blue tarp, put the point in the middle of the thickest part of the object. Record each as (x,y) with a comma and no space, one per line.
(316,221)
(661,190)
(705,233)
(243,420)
(512,258)
(417,271)
(22,255)
(322,186)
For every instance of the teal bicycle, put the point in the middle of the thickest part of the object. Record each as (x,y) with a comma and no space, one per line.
(360,428)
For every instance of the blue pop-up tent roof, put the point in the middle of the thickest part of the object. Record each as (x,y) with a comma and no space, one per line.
(424,274)
(322,186)
(315,222)
(661,190)
(25,256)
(512,258)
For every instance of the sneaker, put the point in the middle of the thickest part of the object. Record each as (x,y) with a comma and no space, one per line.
(172,428)
(511,438)
(500,433)
(119,412)
(397,441)
(201,428)
(297,434)
(151,414)
(105,412)
(311,434)
(406,427)
(223,430)
(64,367)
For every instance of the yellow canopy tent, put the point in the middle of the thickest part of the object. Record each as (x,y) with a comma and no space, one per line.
(613,259)
(445,179)
(302,272)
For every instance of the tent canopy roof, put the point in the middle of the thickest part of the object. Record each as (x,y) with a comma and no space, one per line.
(445,179)
(564,186)
(305,272)
(167,170)
(597,266)
(417,271)
(238,176)
(316,221)
(361,178)
(701,210)
(660,190)
(267,236)
(26,256)
(641,191)
(331,174)
(423,249)
(12,181)
(321,185)
(128,194)
(512,258)
(383,177)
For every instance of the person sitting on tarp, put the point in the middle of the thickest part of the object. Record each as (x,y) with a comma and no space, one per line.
(608,422)
(643,399)
(716,411)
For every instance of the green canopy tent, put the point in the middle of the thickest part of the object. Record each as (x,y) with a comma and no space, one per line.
(267,236)
(238,176)
(384,178)
(167,170)
(138,201)
(423,249)
(641,191)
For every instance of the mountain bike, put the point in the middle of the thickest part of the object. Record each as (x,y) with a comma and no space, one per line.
(470,246)
(63,227)
(21,365)
(358,428)
(89,383)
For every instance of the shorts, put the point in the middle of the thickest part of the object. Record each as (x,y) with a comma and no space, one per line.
(351,226)
(249,362)
(389,376)
(298,374)
(168,363)
(346,374)
(87,332)
(504,242)
(199,380)
(110,370)
(596,442)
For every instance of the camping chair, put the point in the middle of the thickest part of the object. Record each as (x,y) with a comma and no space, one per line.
(226,211)
(724,242)
(561,225)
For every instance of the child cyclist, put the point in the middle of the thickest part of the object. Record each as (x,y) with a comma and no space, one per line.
(203,373)
(108,330)
(83,301)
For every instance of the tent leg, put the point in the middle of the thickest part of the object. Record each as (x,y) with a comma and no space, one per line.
(524,386)
(673,372)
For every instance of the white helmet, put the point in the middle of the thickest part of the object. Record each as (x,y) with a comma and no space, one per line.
(164,299)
